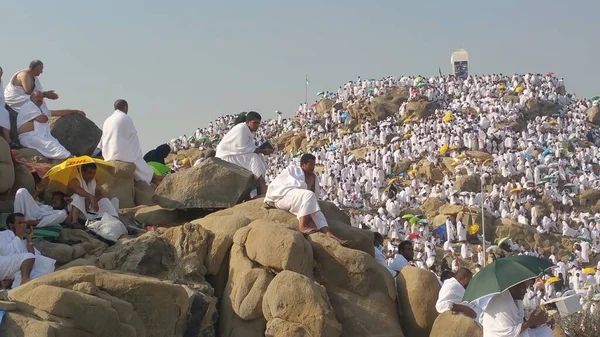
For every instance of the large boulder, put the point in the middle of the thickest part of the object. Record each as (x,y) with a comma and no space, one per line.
(402,166)
(431,207)
(212,184)
(7,170)
(122,185)
(71,244)
(450,324)
(420,110)
(589,197)
(87,301)
(535,107)
(295,305)
(468,184)
(382,107)
(418,292)
(77,134)
(593,115)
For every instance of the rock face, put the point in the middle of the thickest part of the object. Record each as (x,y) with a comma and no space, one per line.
(383,106)
(122,186)
(418,292)
(71,244)
(468,184)
(7,171)
(593,115)
(87,301)
(527,236)
(450,324)
(534,108)
(212,184)
(420,109)
(77,134)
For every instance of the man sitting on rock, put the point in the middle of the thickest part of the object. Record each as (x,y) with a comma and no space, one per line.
(19,260)
(120,142)
(34,130)
(406,253)
(452,292)
(88,201)
(22,85)
(238,147)
(296,190)
(37,214)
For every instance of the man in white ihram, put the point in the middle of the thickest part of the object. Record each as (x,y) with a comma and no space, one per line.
(34,130)
(452,293)
(88,199)
(120,142)
(22,85)
(296,190)
(238,147)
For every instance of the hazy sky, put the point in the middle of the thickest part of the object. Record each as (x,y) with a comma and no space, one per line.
(182,63)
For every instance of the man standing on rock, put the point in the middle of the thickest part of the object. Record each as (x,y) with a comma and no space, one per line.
(296,190)
(120,142)
(238,147)
(22,85)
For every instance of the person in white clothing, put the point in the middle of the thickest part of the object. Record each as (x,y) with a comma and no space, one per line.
(4,116)
(37,214)
(504,316)
(19,260)
(22,85)
(238,147)
(296,190)
(88,201)
(452,293)
(120,142)
(378,243)
(406,254)
(34,130)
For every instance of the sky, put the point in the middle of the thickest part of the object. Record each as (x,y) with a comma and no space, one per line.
(181,63)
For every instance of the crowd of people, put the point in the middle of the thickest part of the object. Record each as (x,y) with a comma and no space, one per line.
(538,155)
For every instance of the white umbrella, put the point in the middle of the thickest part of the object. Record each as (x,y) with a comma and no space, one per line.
(395,139)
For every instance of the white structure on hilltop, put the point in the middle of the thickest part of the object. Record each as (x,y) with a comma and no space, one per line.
(460,63)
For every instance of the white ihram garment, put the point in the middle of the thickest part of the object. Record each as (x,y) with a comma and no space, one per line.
(237,147)
(15,96)
(4,117)
(503,317)
(105,206)
(25,204)
(288,191)
(13,251)
(40,138)
(120,142)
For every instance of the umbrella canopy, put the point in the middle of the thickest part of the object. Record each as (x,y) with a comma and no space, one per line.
(583,238)
(413,236)
(473,229)
(158,168)
(516,190)
(444,149)
(503,240)
(424,221)
(589,271)
(503,274)
(553,279)
(595,98)
(392,181)
(68,170)
(407,216)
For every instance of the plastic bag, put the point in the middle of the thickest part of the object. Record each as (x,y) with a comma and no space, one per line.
(109,227)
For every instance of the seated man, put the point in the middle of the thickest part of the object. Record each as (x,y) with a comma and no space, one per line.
(406,254)
(19,260)
(238,147)
(504,316)
(37,214)
(22,85)
(34,130)
(120,142)
(296,190)
(452,292)
(88,201)
(4,116)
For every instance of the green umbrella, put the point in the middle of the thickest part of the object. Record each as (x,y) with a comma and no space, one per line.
(595,98)
(407,216)
(414,219)
(503,240)
(549,178)
(158,168)
(583,238)
(503,274)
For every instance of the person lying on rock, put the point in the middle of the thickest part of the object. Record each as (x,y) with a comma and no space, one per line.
(88,199)
(296,190)
(19,260)
(238,147)
(452,292)
(36,213)
(120,142)
(34,130)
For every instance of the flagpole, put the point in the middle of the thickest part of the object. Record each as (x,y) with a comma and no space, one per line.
(306,90)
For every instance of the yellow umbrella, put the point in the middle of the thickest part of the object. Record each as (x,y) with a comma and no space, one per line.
(406,136)
(462,155)
(408,120)
(413,171)
(589,271)
(473,229)
(447,117)
(553,279)
(501,87)
(453,147)
(68,170)
(486,161)
(444,149)
(516,190)
(518,89)
(455,163)
(392,181)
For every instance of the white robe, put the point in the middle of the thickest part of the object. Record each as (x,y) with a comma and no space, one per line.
(40,138)
(16,97)
(13,251)
(4,117)
(288,191)
(237,147)
(25,204)
(120,142)
(503,317)
(104,205)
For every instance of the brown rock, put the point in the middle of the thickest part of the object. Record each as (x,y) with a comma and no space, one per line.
(324,106)
(122,186)
(157,216)
(212,184)
(7,171)
(534,108)
(593,115)
(450,324)
(418,292)
(402,166)
(77,134)
(431,207)
(420,110)
(589,197)
(468,184)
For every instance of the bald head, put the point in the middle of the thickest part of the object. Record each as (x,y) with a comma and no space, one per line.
(121,105)
(37,97)
(463,276)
